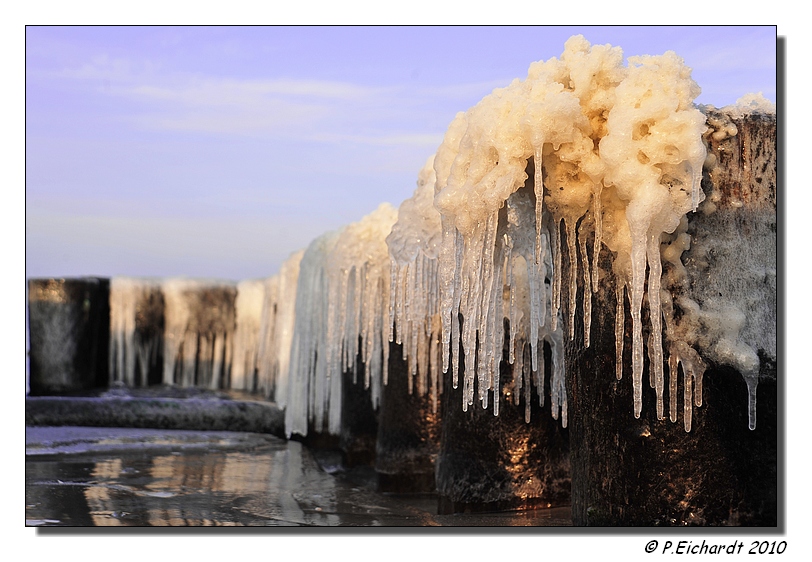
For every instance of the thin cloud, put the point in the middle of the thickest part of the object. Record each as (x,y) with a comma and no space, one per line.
(268,117)
(213,91)
(114,70)
(415,139)
(326,111)
(477,90)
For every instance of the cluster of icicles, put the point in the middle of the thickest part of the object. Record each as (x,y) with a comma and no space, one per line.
(616,155)
(584,155)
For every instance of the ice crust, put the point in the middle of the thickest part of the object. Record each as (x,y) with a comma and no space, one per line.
(749,104)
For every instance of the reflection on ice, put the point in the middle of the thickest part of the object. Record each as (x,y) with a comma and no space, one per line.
(180,478)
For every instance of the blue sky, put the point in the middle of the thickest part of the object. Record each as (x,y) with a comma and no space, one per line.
(219,151)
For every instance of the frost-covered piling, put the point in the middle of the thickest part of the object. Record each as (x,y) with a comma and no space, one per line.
(249,319)
(339,350)
(719,297)
(409,421)
(136,331)
(198,332)
(276,314)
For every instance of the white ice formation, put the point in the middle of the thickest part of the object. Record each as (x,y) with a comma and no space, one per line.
(276,331)
(248,308)
(414,311)
(312,394)
(199,323)
(341,303)
(615,154)
(749,104)
(133,306)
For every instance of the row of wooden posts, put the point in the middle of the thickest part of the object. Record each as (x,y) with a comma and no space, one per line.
(610,467)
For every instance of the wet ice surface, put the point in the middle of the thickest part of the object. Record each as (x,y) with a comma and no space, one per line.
(79,476)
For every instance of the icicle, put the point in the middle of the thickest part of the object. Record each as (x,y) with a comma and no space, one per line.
(540,296)
(655,343)
(556,281)
(620,326)
(538,187)
(527,398)
(635,304)
(538,379)
(448,275)
(558,391)
(569,226)
(673,365)
(587,305)
(752,386)
(436,371)
(598,220)
(693,369)
(486,306)
(518,372)
(687,407)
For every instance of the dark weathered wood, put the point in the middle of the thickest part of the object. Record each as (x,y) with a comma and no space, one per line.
(489,463)
(149,326)
(69,329)
(359,417)
(408,433)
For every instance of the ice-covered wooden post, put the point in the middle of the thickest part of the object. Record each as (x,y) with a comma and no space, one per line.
(650,471)
(69,325)
(136,331)
(198,332)
(409,429)
(338,353)
(577,192)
